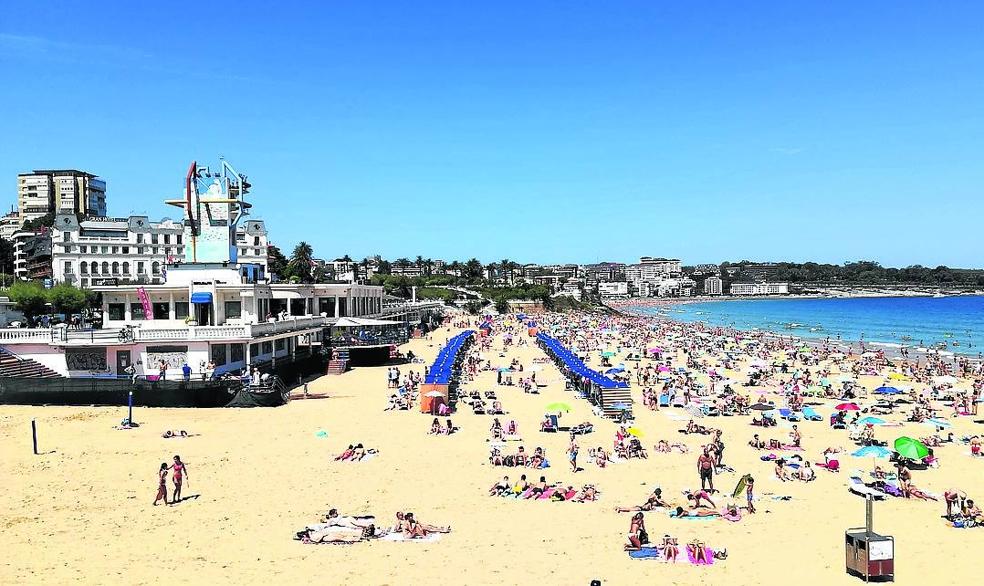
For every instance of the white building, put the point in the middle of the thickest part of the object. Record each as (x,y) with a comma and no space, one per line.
(664,266)
(107,251)
(46,191)
(760,288)
(10,224)
(613,289)
(713,286)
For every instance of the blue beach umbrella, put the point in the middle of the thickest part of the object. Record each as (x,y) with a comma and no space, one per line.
(872,452)
(887,391)
(871,420)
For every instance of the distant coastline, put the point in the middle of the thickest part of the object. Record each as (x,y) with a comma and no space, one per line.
(905,336)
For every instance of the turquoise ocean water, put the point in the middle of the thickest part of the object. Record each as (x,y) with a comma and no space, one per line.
(911,321)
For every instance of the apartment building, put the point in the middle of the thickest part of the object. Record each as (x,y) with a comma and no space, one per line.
(713,286)
(10,224)
(760,288)
(52,191)
(32,255)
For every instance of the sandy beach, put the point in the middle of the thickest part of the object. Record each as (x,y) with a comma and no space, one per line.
(81,511)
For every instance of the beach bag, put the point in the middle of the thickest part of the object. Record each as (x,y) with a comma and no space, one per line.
(643,537)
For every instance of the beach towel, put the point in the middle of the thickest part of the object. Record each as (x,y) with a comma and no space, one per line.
(430,537)
(646,553)
(546,494)
(708,554)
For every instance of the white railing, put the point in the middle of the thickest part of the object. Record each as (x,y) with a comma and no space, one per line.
(141,334)
(288,325)
(218,332)
(22,335)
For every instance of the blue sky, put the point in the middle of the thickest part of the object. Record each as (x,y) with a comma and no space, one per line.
(538,131)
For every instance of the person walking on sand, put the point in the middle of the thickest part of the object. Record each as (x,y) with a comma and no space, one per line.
(705,467)
(749,493)
(162,484)
(572,453)
(180,472)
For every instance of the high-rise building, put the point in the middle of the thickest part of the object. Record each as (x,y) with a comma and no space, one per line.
(713,286)
(52,191)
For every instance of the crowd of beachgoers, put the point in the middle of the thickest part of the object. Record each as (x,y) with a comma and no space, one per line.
(697,376)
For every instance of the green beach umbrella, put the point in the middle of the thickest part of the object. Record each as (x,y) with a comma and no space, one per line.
(910,448)
(555,407)
(608,354)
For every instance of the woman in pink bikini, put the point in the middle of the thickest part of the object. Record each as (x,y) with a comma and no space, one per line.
(180,471)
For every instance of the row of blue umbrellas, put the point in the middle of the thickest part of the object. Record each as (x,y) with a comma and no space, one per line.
(576,365)
(440,372)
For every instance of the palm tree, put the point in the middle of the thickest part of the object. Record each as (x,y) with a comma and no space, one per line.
(428,267)
(365,268)
(508,267)
(490,271)
(301,262)
(473,269)
(455,268)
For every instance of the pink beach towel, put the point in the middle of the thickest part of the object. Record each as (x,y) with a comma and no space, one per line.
(708,554)
(546,494)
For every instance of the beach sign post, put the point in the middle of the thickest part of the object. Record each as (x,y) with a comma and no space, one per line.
(129,414)
(34,435)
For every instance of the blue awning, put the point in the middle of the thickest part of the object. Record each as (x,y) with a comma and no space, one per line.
(201,298)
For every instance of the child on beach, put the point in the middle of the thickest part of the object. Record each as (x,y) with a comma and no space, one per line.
(162,486)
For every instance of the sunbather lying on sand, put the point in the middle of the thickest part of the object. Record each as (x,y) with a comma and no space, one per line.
(655,500)
(410,527)
(180,433)
(588,493)
(355,453)
(680,512)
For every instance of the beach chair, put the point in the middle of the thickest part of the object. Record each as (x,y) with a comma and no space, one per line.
(553,426)
(810,415)
(788,415)
(856,486)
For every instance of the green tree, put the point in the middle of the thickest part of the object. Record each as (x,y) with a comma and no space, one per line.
(276,261)
(65,298)
(473,269)
(384,267)
(301,263)
(502,305)
(6,257)
(45,221)
(30,298)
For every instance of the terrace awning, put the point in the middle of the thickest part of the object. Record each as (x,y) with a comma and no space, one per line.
(201,298)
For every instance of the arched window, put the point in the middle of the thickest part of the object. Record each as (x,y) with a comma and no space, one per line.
(95,267)
(126,268)
(105,268)
(116,268)
(83,268)
(156,267)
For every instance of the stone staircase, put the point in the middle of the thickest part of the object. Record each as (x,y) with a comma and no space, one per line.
(339,364)
(16,367)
